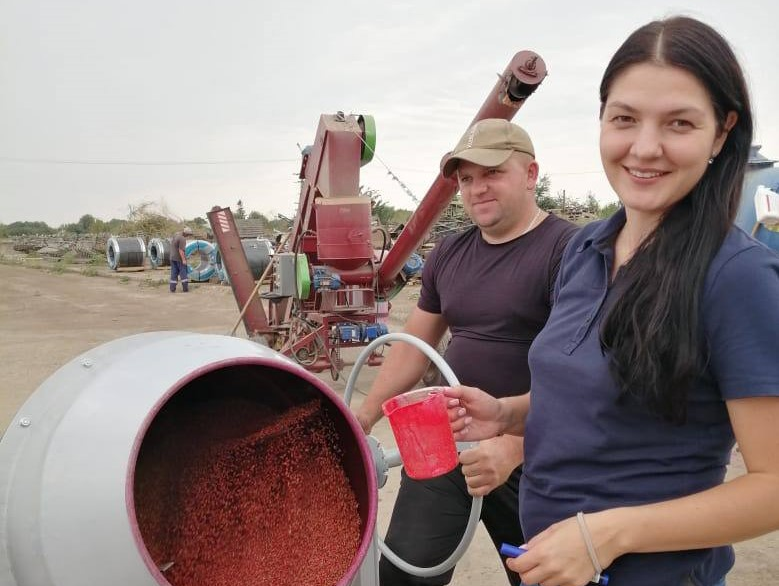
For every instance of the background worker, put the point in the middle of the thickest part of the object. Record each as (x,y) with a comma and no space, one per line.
(660,351)
(491,287)
(178,260)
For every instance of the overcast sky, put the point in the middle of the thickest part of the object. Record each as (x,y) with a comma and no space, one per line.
(99,96)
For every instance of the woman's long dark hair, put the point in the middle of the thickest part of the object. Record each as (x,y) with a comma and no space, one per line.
(653,333)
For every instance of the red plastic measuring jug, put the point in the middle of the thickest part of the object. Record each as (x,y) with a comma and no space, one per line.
(420,424)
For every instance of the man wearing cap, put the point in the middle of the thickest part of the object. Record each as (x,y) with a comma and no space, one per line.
(491,286)
(178,260)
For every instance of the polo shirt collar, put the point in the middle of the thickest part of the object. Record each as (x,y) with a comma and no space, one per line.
(602,236)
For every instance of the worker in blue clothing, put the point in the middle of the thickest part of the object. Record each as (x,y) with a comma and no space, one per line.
(660,350)
(178,260)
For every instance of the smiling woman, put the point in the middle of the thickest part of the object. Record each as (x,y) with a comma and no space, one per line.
(665,366)
(666,115)
(659,352)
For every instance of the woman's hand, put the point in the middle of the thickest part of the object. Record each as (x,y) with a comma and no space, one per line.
(474,414)
(559,555)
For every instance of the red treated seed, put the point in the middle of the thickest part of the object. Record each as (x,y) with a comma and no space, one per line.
(235,494)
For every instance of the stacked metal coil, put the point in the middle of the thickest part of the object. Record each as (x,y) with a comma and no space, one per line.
(206,266)
(258,251)
(125,252)
(159,252)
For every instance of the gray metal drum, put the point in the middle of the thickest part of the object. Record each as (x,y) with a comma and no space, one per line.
(68,459)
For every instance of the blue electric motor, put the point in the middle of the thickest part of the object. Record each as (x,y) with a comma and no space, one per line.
(323,278)
(348,332)
(413,265)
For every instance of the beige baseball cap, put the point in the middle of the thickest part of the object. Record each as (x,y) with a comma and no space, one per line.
(489,143)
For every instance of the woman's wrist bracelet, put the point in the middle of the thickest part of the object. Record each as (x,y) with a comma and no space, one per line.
(590,547)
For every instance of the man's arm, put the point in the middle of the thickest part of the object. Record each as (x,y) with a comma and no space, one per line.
(403,366)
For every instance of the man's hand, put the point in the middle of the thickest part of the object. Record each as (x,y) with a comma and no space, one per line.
(365,420)
(490,464)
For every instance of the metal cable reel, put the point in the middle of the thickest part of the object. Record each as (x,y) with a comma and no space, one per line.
(385,459)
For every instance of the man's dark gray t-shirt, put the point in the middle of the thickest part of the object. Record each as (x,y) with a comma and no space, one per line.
(495,299)
(178,242)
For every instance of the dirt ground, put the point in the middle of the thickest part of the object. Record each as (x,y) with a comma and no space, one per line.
(48,317)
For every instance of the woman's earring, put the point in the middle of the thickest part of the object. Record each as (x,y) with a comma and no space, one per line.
(711,160)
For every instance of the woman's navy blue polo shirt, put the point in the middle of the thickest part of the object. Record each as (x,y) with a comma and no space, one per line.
(585,452)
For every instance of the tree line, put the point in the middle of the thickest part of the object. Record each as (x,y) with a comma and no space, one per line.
(146,218)
(561,202)
(87,224)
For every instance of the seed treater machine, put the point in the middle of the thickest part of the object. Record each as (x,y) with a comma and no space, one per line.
(332,290)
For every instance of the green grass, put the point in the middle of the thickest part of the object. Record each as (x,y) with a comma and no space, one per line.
(10,260)
(34,263)
(152,282)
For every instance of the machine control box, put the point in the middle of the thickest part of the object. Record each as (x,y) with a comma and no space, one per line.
(284,282)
